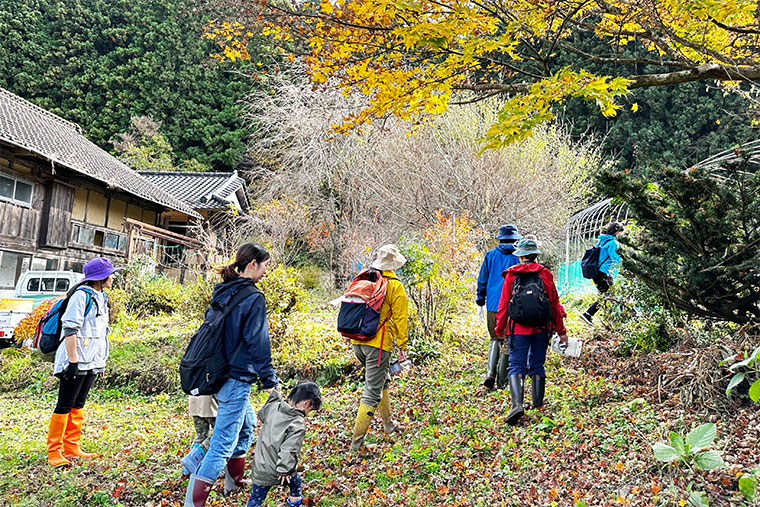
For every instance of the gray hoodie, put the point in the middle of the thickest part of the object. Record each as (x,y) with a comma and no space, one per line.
(282,432)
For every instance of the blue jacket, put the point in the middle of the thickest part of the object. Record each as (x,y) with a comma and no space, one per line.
(490,280)
(609,259)
(247,322)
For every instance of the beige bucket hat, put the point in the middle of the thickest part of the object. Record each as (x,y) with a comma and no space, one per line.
(388,258)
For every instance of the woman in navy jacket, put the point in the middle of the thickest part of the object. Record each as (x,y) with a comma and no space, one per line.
(247,347)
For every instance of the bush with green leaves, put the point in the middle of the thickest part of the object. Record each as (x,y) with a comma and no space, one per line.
(197,296)
(439,274)
(638,316)
(285,294)
(158,294)
(747,367)
(693,451)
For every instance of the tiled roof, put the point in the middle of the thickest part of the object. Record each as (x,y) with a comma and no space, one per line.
(210,191)
(32,128)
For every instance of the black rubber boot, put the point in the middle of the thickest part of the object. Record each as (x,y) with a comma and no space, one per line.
(503,369)
(537,386)
(493,360)
(516,390)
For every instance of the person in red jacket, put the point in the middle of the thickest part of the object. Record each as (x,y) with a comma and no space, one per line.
(529,339)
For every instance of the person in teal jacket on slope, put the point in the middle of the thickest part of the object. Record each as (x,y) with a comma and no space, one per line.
(609,260)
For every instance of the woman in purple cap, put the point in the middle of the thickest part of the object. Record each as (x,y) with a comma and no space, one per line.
(80,357)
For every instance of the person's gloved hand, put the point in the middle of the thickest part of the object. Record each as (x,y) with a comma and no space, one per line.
(70,371)
(482,313)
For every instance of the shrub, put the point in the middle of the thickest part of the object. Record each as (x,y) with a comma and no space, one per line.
(25,329)
(311,276)
(158,294)
(439,273)
(117,303)
(284,295)
(197,297)
(632,312)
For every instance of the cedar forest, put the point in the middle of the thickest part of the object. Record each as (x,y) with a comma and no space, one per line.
(428,124)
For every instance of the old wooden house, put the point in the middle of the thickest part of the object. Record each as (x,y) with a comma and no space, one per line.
(63,200)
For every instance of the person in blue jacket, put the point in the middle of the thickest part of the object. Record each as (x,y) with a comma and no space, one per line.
(490,282)
(249,354)
(609,260)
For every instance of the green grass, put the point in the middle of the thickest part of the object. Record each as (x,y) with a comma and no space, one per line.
(591,442)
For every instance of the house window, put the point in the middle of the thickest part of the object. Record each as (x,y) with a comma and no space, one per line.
(112,241)
(87,235)
(14,190)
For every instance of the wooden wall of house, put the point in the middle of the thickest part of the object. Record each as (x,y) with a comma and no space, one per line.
(55,226)
(95,208)
(19,223)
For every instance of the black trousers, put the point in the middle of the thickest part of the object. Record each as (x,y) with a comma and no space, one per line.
(603,283)
(72,393)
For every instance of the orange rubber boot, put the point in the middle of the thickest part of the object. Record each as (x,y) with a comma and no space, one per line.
(73,435)
(55,440)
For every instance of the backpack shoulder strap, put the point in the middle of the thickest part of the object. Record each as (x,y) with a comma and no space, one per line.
(89,298)
(238,298)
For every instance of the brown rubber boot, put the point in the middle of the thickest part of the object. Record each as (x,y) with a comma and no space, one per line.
(55,440)
(198,490)
(233,474)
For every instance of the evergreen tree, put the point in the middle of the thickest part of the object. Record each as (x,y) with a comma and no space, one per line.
(700,245)
(100,63)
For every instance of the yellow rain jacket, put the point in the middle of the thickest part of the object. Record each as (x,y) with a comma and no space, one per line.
(396,327)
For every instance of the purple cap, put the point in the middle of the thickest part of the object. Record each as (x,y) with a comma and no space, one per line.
(97,269)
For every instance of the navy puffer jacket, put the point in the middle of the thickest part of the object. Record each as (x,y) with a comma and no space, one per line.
(247,322)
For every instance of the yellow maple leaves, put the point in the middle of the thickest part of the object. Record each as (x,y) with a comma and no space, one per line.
(410,58)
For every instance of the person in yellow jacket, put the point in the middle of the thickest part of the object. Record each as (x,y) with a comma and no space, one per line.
(375,354)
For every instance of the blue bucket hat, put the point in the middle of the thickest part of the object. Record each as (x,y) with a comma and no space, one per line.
(526,247)
(98,269)
(508,231)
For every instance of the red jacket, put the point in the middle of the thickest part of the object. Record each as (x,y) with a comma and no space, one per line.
(502,320)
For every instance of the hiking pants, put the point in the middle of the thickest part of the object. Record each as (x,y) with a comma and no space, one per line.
(376,377)
(527,354)
(72,393)
(491,324)
(203,426)
(603,283)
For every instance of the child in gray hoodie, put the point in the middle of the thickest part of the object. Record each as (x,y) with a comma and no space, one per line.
(275,460)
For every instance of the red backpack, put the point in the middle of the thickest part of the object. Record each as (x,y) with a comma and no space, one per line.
(359,316)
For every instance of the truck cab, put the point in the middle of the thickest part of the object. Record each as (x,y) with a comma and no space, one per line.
(32,288)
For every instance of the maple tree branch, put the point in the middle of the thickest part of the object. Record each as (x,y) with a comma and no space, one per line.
(735,29)
(698,73)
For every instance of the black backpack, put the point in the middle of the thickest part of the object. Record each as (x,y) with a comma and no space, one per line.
(530,304)
(590,262)
(204,367)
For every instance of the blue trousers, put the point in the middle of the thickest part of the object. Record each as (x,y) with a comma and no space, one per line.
(259,493)
(527,354)
(233,431)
